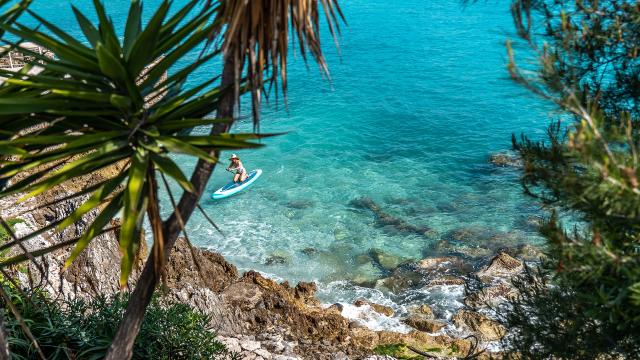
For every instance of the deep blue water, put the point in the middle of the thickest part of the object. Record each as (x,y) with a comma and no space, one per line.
(418,100)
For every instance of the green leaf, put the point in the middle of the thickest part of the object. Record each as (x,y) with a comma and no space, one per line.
(175,145)
(11,150)
(171,58)
(114,99)
(173,103)
(133,26)
(178,17)
(110,153)
(169,167)
(89,31)
(217,142)
(110,65)
(93,202)
(63,35)
(63,51)
(177,78)
(107,33)
(26,105)
(144,49)
(189,123)
(133,212)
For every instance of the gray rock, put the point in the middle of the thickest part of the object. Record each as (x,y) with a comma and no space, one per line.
(264,354)
(502,266)
(487,329)
(490,296)
(250,345)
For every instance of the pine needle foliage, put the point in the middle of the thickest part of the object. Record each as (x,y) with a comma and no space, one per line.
(584,301)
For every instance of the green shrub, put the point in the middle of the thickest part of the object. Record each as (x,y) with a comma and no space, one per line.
(83,330)
(4,235)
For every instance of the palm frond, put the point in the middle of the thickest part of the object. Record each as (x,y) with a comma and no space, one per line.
(258,33)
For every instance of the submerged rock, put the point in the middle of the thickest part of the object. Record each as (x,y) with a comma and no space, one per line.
(310,252)
(276,260)
(423,323)
(300,204)
(529,223)
(385,260)
(446,207)
(340,234)
(501,266)
(389,221)
(487,329)
(366,274)
(506,159)
(468,235)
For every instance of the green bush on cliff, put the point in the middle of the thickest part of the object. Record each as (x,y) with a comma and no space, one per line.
(584,302)
(83,330)
(4,235)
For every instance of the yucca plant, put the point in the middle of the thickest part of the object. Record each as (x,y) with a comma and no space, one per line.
(103,101)
(100,104)
(106,102)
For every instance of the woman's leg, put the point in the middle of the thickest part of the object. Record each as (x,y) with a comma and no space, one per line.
(236,177)
(243,176)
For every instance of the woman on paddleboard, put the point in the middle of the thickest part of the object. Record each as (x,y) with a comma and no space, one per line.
(237,167)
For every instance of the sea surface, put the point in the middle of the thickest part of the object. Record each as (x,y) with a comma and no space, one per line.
(419,98)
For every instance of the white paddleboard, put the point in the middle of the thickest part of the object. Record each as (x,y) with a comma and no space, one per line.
(234,188)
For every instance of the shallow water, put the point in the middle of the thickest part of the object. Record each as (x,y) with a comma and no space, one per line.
(419,99)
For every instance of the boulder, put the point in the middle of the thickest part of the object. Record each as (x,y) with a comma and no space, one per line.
(424,323)
(502,266)
(423,310)
(385,260)
(380,309)
(490,296)
(484,327)
(400,280)
(433,263)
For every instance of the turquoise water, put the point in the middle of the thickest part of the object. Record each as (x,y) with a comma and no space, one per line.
(419,99)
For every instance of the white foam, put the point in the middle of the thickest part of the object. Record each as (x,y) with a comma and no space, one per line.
(366,316)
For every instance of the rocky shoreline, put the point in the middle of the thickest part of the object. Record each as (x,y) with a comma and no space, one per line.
(261,319)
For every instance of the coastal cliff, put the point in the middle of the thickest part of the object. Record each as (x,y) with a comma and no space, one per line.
(260,318)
